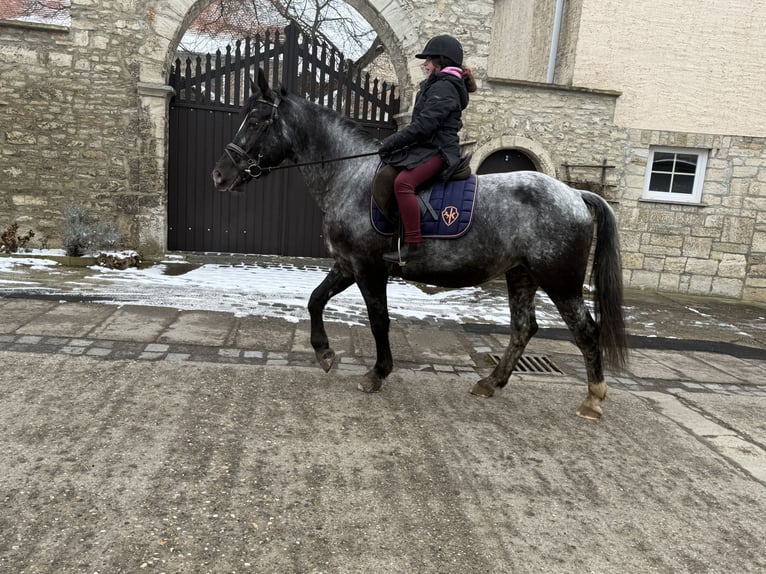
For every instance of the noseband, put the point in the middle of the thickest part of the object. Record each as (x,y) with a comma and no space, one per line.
(238,155)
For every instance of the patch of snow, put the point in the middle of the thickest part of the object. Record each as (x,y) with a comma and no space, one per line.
(276,290)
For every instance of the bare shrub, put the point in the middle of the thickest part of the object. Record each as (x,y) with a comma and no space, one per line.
(82,233)
(11,241)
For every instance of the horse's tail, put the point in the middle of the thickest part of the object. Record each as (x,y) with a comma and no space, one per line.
(606,278)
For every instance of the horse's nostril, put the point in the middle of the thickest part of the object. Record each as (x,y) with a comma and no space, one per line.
(217,177)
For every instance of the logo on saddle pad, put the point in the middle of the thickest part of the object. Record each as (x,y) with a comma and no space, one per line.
(450,215)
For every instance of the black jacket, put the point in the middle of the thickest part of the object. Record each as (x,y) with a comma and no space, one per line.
(434,127)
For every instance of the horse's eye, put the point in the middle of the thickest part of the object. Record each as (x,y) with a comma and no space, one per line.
(255,120)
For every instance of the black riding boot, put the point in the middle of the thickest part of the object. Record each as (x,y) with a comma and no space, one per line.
(408,252)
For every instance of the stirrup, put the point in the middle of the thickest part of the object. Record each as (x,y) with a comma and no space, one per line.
(396,256)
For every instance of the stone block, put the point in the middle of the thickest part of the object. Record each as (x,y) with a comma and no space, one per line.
(645,279)
(675,265)
(759,242)
(632,260)
(660,250)
(755,294)
(697,247)
(669,282)
(21,138)
(732,266)
(654,264)
(756,271)
(756,205)
(660,217)
(719,248)
(667,240)
(725,287)
(699,285)
(701,267)
(61,60)
(28,200)
(745,172)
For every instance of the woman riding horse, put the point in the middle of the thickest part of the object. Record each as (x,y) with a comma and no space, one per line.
(430,145)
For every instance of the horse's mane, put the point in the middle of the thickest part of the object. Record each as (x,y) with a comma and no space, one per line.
(350,124)
(353,128)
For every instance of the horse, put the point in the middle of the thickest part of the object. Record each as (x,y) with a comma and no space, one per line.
(526,225)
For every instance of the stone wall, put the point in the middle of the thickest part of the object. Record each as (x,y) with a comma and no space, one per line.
(71,125)
(717,248)
(569,126)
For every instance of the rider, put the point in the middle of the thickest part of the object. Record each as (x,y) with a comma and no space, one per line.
(429,146)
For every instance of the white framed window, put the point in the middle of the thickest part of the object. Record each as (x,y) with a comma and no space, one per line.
(675,174)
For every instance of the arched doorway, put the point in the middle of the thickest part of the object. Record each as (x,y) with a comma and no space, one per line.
(505,160)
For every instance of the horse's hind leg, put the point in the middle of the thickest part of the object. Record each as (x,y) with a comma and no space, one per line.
(521,297)
(586,336)
(334,283)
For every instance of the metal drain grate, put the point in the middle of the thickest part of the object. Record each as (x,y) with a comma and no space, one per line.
(536,364)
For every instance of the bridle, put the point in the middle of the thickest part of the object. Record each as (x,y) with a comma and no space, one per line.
(253,168)
(238,155)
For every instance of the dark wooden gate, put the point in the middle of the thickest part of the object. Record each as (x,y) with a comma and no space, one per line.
(204,115)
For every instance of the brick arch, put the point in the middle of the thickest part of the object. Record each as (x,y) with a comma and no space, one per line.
(170,20)
(535,151)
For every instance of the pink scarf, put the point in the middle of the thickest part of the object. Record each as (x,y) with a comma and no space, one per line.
(453,70)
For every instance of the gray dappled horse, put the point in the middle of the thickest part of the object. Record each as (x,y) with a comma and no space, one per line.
(526,225)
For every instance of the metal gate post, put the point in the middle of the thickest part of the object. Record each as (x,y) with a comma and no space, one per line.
(290,63)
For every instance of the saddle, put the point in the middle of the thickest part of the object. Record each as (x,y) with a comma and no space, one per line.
(446,208)
(383,185)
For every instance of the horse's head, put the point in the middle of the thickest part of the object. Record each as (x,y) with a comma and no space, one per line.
(259,143)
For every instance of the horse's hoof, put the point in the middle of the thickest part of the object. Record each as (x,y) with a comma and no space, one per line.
(483,389)
(326,360)
(590,412)
(591,406)
(371,383)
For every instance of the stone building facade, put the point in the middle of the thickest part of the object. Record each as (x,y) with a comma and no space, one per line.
(83,116)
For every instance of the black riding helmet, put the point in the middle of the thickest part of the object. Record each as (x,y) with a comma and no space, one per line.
(445,46)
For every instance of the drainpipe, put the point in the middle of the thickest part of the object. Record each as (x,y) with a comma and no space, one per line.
(555,40)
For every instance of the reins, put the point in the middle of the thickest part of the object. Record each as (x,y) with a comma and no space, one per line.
(259,171)
(254,168)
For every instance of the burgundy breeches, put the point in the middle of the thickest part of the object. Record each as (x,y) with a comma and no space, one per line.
(404,189)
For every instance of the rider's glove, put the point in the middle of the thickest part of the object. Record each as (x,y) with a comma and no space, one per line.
(393,143)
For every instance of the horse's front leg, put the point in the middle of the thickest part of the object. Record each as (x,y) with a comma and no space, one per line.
(334,283)
(372,284)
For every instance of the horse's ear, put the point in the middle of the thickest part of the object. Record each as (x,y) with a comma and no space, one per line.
(263,83)
(253,87)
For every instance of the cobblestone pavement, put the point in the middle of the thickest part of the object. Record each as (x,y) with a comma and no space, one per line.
(103,331)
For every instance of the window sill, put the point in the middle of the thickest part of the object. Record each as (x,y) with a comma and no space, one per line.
(673,202)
